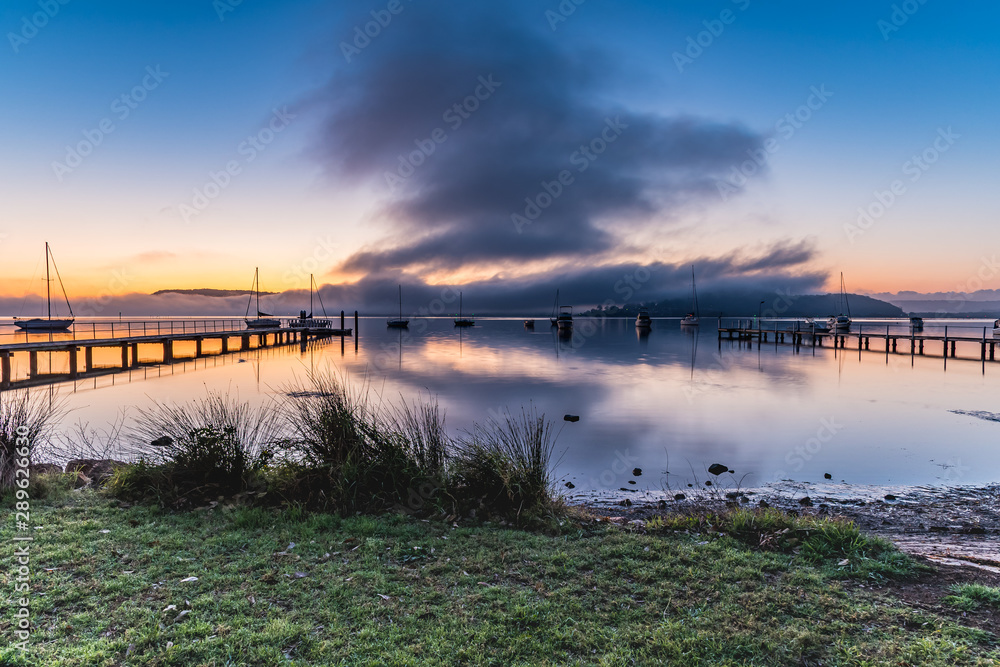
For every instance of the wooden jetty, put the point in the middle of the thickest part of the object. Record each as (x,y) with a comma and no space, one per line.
(895,342)
(157,333)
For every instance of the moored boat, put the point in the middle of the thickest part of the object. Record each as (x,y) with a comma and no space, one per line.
(815,327)
(263,320)
(398,323)
(47,324)
(642,320)
(841,322)
(917,323)
(307,321)
(565,319)
(461,320)
(692,319)
(996,329)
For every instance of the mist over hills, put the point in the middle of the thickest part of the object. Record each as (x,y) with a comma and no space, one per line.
(980,303)
(748,303)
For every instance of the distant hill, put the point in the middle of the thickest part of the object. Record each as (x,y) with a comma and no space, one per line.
(208,292)
(747,304)
(957,306)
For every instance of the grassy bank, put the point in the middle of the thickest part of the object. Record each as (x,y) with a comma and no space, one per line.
(108,588)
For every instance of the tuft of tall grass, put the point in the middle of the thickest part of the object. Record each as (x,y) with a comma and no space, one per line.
(30,416)
(348,452)
(213,443)
(506,463)
(422,426)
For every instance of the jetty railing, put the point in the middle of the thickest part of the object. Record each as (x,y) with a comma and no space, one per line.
(105,329)
(798,334)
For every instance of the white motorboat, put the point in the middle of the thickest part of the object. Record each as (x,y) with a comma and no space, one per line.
(642,320)
(917,323)
(996,329)
(814,327)
(565,319)
(47,324)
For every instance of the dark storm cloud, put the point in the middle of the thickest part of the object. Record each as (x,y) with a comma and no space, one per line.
(778,268)
(543,109)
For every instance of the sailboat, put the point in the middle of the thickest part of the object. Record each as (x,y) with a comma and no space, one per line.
(841,322)
(49,324)
(399,323)
(554,319)
(308,321)
(463,321)
(263,320)
(692,319)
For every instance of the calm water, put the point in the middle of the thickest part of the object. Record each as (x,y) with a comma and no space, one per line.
(668,400)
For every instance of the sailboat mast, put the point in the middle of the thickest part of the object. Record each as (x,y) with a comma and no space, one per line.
(256,280)
(843,293)
(694,293)
(400,302)
(48,282)
(311,281)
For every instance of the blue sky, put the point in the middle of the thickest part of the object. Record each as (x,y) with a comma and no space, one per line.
(227,72)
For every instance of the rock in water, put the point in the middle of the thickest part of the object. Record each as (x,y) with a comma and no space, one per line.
(806,502)
(717,469)
(636,472)
(679,496)
(889,496)
(571,418)
(570,485)
(827,475)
